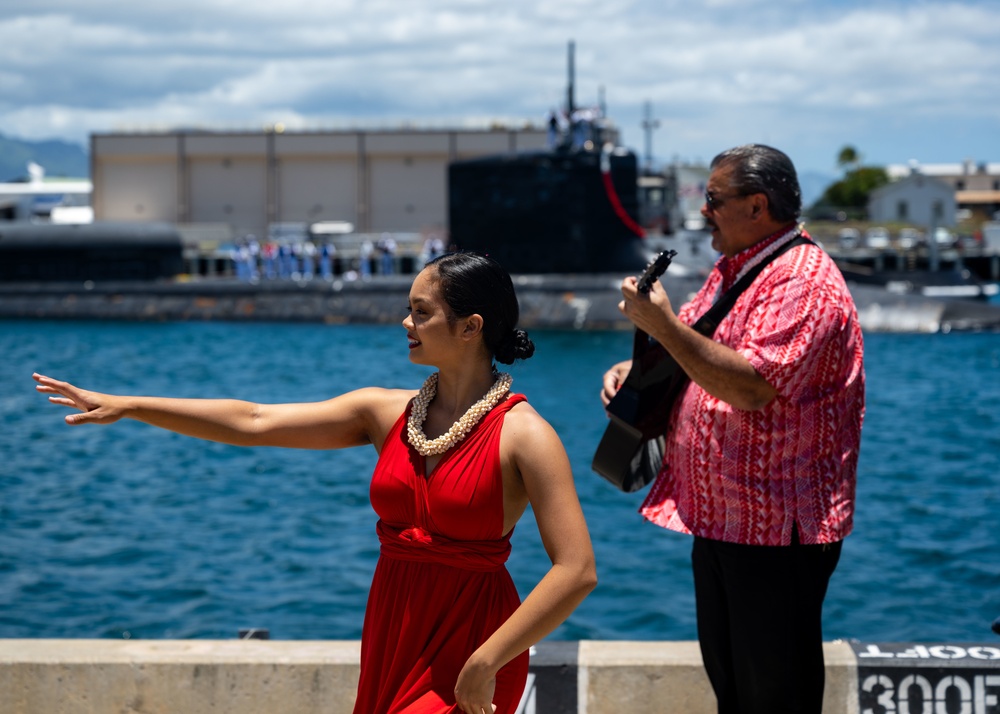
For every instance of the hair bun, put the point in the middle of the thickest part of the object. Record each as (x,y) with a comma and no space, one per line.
(517,345)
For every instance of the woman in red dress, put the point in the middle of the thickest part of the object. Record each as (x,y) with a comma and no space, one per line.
(459,462)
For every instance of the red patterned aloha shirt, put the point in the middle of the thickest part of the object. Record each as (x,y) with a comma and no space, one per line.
(749,476)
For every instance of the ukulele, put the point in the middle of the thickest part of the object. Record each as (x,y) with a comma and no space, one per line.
(640,409)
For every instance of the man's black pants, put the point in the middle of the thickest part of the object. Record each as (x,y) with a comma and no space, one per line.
(760,623)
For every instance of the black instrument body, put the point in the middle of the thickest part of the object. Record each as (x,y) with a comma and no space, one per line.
(639,410)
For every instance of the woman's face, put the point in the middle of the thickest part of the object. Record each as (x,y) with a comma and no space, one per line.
(432,336)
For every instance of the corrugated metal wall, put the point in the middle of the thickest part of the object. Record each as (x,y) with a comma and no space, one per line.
(377,180)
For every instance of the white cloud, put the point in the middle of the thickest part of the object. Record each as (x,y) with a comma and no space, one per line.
(808,76)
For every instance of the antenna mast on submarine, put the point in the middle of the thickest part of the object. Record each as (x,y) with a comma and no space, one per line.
(570,104)
(649,124)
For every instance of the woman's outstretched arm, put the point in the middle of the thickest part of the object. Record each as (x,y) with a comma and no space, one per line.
(359,417)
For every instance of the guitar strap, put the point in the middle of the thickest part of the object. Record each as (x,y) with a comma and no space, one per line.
(707,323)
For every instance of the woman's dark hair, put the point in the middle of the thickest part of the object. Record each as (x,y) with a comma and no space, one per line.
(475,284)
(762,169)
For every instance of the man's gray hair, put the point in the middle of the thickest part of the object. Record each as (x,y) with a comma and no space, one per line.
(757,168)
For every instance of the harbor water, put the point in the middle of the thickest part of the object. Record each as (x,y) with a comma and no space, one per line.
(129,531)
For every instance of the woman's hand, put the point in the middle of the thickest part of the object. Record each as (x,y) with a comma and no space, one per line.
(474,689)
(97,408)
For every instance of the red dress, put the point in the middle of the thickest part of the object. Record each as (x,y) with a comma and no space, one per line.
(440,587)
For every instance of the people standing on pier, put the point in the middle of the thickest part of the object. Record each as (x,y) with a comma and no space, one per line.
(286,261)
(365,252)
(269,257)
(326,253)
(309,253)
(762,446)
(432,248)
(387,253)
(459,462)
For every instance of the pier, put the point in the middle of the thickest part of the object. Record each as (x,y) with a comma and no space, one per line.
(571,302)
(152,272)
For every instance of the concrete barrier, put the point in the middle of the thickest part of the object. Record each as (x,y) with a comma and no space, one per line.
(177,676)
(272,677)
(668,678)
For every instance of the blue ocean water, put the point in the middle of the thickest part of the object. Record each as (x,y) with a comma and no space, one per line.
(129,531)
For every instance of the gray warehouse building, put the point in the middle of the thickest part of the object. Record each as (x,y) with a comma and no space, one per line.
(392,180)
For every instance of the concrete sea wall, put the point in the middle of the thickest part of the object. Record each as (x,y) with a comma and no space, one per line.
(258,677)
(586,677)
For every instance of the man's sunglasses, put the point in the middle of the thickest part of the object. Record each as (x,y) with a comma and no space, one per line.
(714,202)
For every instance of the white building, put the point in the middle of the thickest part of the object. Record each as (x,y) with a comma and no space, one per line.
(917,199)
(976,185)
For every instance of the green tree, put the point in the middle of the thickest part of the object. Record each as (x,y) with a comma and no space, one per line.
(853,190)
(850,194)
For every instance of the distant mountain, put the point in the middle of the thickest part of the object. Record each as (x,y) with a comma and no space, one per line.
(58,158)
(813,185)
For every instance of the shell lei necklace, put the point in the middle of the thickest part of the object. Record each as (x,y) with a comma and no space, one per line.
(460,429)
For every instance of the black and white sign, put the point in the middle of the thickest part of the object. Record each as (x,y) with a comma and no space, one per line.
(928,678)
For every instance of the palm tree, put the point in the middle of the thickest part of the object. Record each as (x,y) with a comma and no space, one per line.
(848,158)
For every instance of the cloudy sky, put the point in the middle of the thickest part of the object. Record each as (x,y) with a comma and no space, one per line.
(897,79)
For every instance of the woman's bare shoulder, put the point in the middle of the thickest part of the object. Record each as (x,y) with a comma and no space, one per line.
(526,422)
(381,394)
(382,398)
(376,407)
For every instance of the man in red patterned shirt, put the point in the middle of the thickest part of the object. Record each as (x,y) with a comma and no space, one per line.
(762,449)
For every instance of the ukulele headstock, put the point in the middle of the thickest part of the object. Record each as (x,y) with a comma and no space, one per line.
(657,267)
